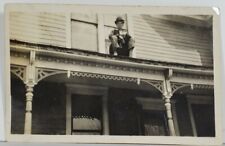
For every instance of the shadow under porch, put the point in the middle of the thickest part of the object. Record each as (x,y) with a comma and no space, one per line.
(132,109)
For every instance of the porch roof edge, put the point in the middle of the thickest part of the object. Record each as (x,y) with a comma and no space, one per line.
(106,58)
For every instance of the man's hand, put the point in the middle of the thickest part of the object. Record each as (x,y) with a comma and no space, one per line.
(121,39)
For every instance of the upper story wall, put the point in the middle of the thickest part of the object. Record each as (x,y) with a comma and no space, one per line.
(165,40)
(156,38)
(43,28)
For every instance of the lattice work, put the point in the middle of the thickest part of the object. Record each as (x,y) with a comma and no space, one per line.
(102,76)
(19,71)
(203,86)
(176,86)
(155,83)
(43,73)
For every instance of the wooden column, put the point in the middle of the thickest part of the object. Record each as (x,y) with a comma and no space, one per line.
(167,94)
(169,115)
(28,110)
(30,83)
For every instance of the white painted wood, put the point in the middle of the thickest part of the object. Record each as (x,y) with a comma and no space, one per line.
(85,17)
(72,67)
(101,34)
(192,80)
(68,31)
(130,29)
(44,28)
(164,40)
(29,83)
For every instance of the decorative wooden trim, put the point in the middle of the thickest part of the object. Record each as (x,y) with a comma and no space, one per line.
(176,86)
(102,76)
(25,46)
(19,54)
(42,73)
(155,83)
(32,57)
(202,86)
(19,71)
(193,76)
(98,64)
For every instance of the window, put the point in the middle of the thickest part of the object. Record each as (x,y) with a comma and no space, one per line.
(84,35)
(154,123)
(153,117)
(204,119)
(86,114)
(201,110)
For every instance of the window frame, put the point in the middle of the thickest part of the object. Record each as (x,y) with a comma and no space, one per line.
(88,23)
(87,90)
(100,25)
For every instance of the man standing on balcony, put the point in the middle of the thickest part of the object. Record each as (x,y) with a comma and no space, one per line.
(121,42)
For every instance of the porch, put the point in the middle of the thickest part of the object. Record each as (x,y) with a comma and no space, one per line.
(81,105)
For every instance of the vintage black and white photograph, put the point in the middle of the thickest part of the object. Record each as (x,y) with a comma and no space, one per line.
(111,73)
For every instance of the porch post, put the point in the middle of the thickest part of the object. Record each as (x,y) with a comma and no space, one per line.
(169,115)
(28,110)
(167,94)
(30,83)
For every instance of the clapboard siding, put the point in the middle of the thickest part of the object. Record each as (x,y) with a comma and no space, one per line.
(164,40)
(43,28)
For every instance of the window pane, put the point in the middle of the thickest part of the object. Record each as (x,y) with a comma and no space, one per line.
(84,36)
(86,114)
(154,123)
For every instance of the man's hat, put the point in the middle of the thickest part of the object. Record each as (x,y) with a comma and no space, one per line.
(119,19)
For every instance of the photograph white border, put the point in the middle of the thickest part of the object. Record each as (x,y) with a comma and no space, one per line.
(217,53)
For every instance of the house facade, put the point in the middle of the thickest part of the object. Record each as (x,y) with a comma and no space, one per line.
(64,82)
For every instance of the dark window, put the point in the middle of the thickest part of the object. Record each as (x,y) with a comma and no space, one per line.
(154,123)
(204,119)
(86,115)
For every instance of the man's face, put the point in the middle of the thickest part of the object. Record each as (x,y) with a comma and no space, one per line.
(119,25)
